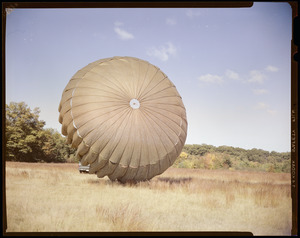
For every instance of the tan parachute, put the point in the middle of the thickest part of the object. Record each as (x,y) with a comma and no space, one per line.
(125,117)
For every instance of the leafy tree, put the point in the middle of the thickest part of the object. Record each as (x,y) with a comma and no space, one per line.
(23,132)
(55,148)
(228,157)
(286,166)
(198,149)
(227,161)
(27,140)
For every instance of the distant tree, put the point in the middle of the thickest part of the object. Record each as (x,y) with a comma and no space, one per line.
(198,149)
(55,147)
(227,161)
(227,157)
(257,155)
(286,166)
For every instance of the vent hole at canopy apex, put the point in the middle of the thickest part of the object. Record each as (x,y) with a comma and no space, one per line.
(134,103)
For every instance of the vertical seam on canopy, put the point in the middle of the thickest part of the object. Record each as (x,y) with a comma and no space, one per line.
(119,142)
(167,136)
(167,125)
(154,129)
(103,133)
(120,112)
(157,70)
(122,90)
(144,94)
(152,140)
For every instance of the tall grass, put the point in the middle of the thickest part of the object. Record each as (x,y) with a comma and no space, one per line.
(56,197)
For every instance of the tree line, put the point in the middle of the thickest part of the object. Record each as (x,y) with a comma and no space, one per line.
(27,140)
(233,158)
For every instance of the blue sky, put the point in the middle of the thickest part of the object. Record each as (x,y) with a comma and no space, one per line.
(230,65)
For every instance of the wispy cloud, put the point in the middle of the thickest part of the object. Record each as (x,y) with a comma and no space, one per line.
(260,91)
(163,52)
(171,21)
(271,68)
(261,105)
(272,112)
(232,75)
(256,77)
(265,107)
(209,78)
(123,34)
(219,79)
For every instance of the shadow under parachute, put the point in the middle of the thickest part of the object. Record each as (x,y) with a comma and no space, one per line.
(175,180)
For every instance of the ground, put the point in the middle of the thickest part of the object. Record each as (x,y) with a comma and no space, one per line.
(56,197)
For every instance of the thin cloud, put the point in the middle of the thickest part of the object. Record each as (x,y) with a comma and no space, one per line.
(163,52)
(260,91)
(261,105)
(124,35)
(171,21)
(209,78)
(271,68)
(265,107)
(272,112)
(218,79)
(232,75)
(256,77)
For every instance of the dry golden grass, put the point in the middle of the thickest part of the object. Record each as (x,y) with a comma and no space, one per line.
(56,197)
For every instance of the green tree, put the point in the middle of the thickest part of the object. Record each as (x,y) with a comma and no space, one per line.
(23,133)
(198,149)
(227,161)
(28,141)
(55,147)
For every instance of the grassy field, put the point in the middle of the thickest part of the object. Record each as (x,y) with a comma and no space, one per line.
(56,197)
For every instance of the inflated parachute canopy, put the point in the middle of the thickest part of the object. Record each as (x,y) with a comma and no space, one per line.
(125,117)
